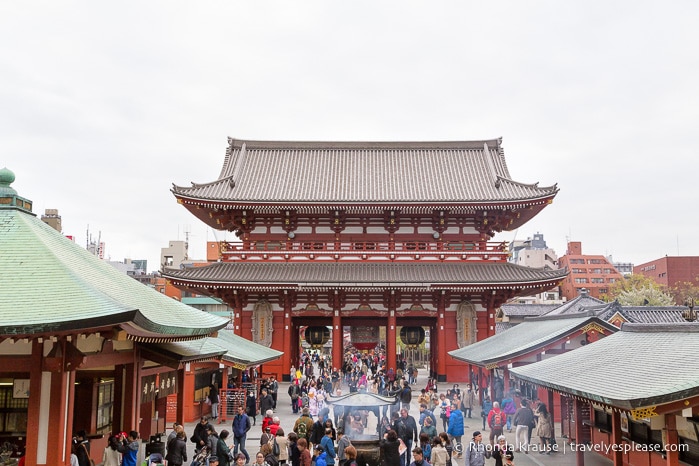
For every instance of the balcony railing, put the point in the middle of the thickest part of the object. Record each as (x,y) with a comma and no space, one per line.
(289,250)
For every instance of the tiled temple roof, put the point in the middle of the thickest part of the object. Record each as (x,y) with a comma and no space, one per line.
(365,172)
(643,365)
(524,338)
(393,274)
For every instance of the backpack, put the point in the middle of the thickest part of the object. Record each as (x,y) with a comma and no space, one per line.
(497,421)
(275,447)
(302,430)
(402,429)
(304,401)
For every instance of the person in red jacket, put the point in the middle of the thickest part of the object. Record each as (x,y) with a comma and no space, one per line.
(496,420)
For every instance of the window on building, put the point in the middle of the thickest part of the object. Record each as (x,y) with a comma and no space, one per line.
(607,270)
(596,270)
(13,411)
(597,280)
(611,280)
(581,280)
(577,261)
(169,262)
(578,270)
(604,290)
(105,403)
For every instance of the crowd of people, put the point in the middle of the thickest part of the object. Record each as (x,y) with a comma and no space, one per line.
(322,435)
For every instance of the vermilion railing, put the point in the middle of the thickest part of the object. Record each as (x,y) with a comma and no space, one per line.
(467,249)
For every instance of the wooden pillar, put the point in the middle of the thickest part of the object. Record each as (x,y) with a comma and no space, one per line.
(34,409)
(552,410)
(672,455)
(237,313)
(506,381)
(338,352)
(579,452)
(58,441)
(288,353)
(391,339)
(337,334)
(118,404)
(132,394)
(490,319)
(441,340)
(617,454)
(181,394)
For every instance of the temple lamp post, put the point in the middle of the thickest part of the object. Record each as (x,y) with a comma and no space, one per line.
(690,315)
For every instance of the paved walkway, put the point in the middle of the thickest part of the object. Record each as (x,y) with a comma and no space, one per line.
(287,418)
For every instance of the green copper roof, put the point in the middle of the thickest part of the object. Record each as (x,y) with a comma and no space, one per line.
(531,335)
(640,366)
(50,284)
(7,177)
(226,345)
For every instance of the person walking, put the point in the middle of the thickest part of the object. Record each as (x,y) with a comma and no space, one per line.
(223,451)
(241,426)
(544,429)
(523,422)
(177,449)
(456,429)
(476,452)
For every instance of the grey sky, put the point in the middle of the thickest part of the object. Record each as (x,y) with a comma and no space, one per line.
(104,104)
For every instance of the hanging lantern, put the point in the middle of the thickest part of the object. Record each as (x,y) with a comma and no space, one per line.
(317,336)
(412,336)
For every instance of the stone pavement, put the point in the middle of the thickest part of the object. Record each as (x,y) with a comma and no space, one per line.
(287,419)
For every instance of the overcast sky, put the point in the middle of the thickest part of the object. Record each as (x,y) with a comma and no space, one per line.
(103,105)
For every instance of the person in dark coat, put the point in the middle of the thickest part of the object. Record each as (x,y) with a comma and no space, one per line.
(390,449)
(177,450)
(266,401)
(251,407)
(222,449)
(200,435)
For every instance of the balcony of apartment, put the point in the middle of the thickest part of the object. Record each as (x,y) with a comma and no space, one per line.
(365,250)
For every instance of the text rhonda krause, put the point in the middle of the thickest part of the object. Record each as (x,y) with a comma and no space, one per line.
(604,448)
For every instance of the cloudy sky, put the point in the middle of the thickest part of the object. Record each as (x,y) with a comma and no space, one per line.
(103,105)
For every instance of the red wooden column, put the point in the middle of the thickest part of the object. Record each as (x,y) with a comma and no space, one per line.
(182,393)
(58,441)
(672,456)
(441,339)
(288,353)
(506,380)
(34,411)
(550,404)
(237,313)
(391,340)
(132,393)
(337,332)
(579,453)
(617,454)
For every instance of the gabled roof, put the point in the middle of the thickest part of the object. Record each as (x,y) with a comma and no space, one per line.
(581,303)
(526,310)
(642,365)
(644,314)
(263,172)
(528,337)
(226,347)
(362,274)
(51,285)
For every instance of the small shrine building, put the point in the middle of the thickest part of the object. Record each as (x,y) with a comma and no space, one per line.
(85,347)
(365,235)
(633,396)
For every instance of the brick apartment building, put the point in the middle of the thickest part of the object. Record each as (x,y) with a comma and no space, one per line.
(592,272)
(670,271)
